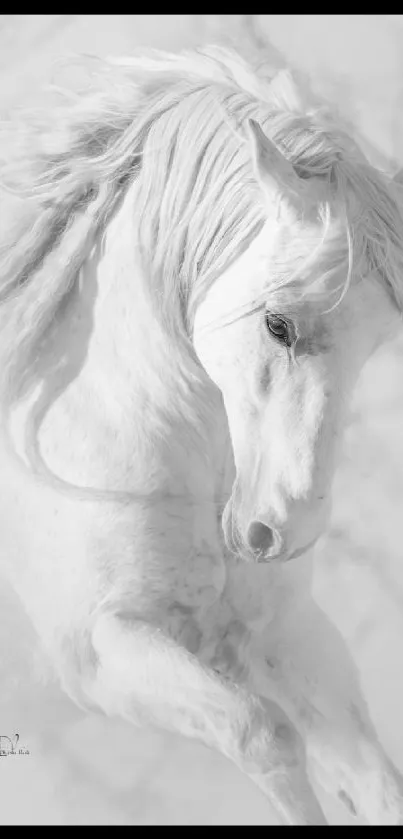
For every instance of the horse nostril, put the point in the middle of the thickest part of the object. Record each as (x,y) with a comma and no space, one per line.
(260,537)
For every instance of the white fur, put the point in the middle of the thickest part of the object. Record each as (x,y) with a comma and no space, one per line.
(111,513)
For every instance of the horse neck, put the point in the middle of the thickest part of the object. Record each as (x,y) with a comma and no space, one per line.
(140,410)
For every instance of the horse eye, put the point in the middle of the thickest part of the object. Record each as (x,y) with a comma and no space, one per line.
(280,328)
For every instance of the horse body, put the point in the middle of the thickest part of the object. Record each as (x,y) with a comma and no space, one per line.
(128,443)
(87,440)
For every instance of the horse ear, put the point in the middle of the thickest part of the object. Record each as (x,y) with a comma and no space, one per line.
(272,170)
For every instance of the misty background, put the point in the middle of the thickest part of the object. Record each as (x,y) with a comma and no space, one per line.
(90,770)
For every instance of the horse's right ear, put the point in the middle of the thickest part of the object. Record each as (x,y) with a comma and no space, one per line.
(272,170)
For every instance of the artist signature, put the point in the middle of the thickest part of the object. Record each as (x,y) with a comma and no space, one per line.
(8,746)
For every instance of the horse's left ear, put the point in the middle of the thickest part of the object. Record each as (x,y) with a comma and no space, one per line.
(272,169)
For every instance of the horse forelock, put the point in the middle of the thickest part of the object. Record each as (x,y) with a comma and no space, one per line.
(176,124)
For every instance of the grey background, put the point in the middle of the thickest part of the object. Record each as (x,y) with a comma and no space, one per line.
(90,770)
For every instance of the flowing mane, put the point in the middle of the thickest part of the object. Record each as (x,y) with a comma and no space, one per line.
(177,125)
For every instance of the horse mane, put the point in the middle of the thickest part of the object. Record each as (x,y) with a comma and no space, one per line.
(176,125)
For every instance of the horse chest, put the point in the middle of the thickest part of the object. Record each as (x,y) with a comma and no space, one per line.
(190,591)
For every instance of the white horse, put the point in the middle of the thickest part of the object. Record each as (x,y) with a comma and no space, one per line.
(194,270)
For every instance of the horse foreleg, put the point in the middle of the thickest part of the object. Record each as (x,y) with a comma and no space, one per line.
(349,762)
(145,677)
(305,665)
